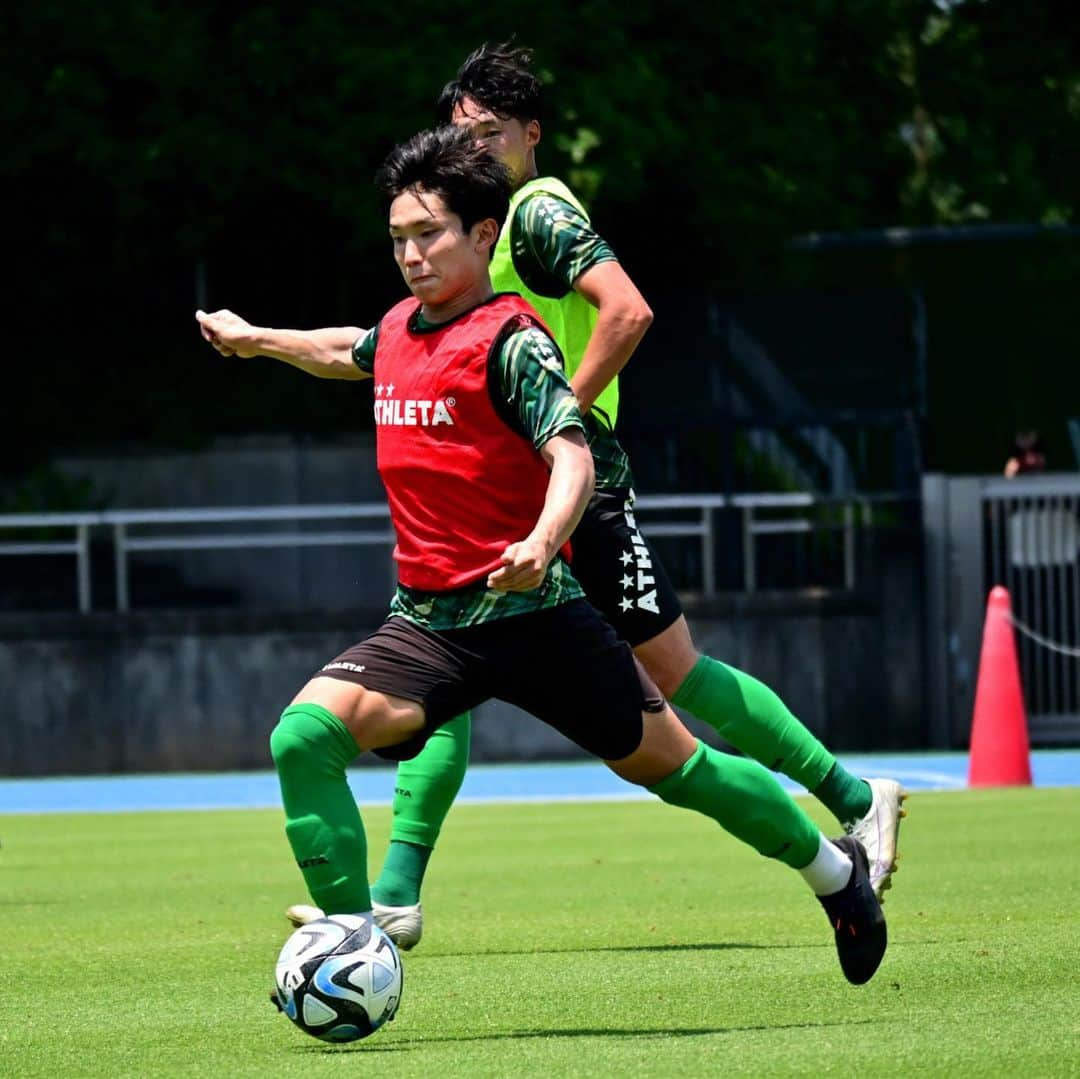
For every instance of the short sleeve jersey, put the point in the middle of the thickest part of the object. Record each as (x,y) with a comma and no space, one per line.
(553,245)
(530,377)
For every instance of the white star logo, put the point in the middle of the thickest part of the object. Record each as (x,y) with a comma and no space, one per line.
(378,390)
(627,582)
(627,605)
(627,558)
(389,389)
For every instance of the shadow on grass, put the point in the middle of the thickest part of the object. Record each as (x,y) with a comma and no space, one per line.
(411,1045)
(715,946)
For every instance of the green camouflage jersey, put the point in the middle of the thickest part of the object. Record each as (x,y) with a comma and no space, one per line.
(531,378)
(550,243)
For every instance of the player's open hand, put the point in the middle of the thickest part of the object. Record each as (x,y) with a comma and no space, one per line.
(228,333)
(523,567)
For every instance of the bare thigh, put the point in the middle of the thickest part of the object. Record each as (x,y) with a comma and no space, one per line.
(666,745)
(374,719)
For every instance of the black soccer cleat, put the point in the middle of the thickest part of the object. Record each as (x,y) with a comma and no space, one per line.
(856,917)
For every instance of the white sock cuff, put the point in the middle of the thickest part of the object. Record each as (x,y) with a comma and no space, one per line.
(830,870)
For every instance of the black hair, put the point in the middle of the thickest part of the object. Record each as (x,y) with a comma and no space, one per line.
(1028,441)
(499,77)
(446,161)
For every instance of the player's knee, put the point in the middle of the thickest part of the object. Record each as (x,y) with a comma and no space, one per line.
(666,745)
(285,747)
(666,678)
(308,736)
(669,658)
(290,751)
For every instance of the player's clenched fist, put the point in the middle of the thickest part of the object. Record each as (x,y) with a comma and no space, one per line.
(228,333)
(523,567)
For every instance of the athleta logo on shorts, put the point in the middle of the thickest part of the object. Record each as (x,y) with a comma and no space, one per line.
(636,582)
(392,412)
(343,666)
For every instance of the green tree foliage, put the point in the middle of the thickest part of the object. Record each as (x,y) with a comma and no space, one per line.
(769,118)
(164,153)
(995,128)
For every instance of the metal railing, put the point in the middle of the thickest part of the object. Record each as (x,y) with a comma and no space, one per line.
(755,510)
(123,521)
(1032,547)
(81,523)
(137,531)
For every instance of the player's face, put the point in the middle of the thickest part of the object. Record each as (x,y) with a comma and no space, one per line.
(437,257)
(511,141)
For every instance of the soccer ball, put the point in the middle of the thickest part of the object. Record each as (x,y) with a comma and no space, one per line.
(339,978)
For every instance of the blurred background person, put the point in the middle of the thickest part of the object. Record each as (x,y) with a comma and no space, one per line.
(1027,454)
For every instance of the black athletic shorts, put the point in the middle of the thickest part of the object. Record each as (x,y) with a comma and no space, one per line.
(565,665)
(619,569)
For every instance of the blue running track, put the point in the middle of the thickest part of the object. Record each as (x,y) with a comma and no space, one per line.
(578,781)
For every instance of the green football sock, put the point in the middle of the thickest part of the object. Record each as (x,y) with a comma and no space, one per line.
(311,748)
(848,797)
(747,714)
(746,801)
(424,791)
(402,874)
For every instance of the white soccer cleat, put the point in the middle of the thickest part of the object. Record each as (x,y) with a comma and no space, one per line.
(302,913)
(403,925)
(878,831)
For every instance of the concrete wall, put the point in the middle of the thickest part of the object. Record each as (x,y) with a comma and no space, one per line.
(163,690)
(166,691)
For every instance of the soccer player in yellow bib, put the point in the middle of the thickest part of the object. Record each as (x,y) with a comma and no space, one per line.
(549,252)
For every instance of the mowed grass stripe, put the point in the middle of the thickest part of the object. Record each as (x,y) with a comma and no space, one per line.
(602,939)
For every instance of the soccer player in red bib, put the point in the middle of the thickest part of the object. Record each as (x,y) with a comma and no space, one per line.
(549,252)
(481,448)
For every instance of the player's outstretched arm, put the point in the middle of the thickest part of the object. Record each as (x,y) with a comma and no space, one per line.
(623,316)
(569,489)
(325,353)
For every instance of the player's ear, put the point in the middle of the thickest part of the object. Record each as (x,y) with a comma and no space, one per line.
(532,134)
(487,234)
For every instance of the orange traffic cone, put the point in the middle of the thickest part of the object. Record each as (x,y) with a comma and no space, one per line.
(1000,754)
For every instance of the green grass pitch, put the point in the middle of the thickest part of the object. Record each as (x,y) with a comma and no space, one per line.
(561,940)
